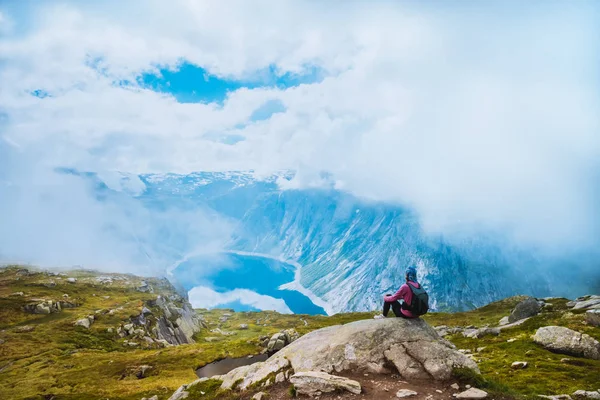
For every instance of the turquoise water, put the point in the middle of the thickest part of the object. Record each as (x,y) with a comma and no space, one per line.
(225,272)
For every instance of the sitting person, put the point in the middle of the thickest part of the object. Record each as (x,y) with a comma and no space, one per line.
(414,298)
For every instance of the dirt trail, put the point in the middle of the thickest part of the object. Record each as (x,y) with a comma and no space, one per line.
(375,386)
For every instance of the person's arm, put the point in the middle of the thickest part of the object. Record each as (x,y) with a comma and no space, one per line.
(395,296)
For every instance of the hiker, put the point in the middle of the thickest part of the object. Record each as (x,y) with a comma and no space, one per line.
(414,298)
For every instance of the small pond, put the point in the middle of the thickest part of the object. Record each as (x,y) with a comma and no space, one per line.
(225,365)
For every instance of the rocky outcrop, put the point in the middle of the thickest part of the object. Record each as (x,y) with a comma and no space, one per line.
(566,341)
(525,309)
(411,347)
(165,321)
(588,302)
(41,306)
(315,383)
(178,323)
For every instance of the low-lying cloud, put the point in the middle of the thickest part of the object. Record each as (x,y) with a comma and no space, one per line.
(481,117)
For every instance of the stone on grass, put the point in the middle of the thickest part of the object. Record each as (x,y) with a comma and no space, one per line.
(315,383)
(85,322)
(567,341)
(71,280)
(455,386)
(587,394)
(259,396)
(405,393)
(243,326)
(526,308)
(592,317)
(519,365)
(472,393)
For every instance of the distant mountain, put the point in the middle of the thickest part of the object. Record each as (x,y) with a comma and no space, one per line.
(352,251)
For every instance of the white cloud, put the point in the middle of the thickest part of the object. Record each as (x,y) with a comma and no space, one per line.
(205,297)
(478,116)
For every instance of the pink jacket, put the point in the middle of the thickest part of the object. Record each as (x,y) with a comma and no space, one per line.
(405,294)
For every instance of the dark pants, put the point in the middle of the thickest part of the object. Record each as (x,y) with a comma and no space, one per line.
(396,308)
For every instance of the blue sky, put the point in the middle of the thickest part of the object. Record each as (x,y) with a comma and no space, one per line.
(190,83)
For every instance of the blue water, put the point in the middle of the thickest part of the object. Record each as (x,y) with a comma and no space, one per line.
(227,272)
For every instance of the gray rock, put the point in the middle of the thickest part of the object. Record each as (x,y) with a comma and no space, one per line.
(481,332)
(72,280)
(411,345)
(24,329)
(315,383)
(85,322)
(519,365)
(504,321)
(259,396)
(367,345)
(243,326)
(472,393)
(566,341)
(186,321)
(17,294)
(525,309)
(405,393)
(592,317)
(586,395)
(556,397)
(142,370)
(455,386)
(280,377)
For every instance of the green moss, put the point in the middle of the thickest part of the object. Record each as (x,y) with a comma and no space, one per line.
(209,390)
(292,391)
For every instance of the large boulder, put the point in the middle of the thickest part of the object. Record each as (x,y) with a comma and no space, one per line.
(412,346)
(362,345)
(592,317)
(525,309)
(566,341)
(315,383)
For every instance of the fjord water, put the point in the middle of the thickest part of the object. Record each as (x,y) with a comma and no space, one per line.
(226,271)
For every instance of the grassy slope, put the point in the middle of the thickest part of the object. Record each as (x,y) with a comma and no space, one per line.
(70,362)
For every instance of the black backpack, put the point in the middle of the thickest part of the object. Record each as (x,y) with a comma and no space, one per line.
(420,300)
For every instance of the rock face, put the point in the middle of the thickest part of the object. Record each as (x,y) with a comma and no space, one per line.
(525,309)
(567,341)
(177,321)
(592,317)
(315,383)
